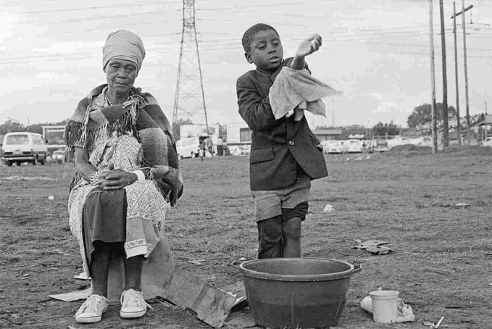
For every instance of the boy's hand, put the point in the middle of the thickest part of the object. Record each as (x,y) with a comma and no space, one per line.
(309,46)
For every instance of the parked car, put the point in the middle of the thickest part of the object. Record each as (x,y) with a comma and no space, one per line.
(240,150)
(22,147)
(331,147)
(58,156)
(381,146)
(487,142)
(189,147)
(354,146)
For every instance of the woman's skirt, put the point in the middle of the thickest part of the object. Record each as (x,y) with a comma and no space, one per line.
(133,216)
(104,220)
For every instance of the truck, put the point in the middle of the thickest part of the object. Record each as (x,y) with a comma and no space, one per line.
(189,147)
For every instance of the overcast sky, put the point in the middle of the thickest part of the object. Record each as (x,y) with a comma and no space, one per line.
(376,52)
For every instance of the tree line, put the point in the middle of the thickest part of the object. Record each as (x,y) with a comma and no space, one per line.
(419,120)
(11,126)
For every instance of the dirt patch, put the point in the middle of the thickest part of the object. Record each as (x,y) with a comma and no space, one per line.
(440,260)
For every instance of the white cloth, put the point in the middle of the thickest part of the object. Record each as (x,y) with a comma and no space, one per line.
(296,90)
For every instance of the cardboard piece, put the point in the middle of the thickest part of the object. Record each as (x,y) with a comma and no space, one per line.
(73,296)
(208,303)
(161,278)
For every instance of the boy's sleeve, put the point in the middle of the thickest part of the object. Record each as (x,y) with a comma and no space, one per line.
(255,110)
(288,61)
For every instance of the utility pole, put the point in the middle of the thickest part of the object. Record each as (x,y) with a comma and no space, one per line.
(333,111)
(466,66)
(462,12)
(485,103)
(458,120)
(189,100)
(433,79)
(445,125)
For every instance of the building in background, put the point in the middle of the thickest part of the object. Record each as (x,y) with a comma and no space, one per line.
(238,134)
(54,137)
(328,134)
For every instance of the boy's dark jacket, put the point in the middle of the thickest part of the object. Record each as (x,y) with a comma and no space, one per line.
(278,146)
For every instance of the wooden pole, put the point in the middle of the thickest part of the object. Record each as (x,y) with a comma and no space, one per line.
(433,79)
(458,120)
(333,111)
(466,67)
(445,124)
(462,12)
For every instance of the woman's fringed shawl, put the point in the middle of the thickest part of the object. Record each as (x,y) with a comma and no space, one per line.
(143,116)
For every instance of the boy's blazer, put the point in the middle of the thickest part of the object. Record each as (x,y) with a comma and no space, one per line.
(278,146)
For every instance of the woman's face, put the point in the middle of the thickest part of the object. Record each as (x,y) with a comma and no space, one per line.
(120,75)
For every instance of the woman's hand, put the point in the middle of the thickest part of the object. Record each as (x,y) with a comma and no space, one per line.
(111,180)
(309,46)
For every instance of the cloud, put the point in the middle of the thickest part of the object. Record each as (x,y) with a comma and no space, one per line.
(376,96)
(385,107)
(56,78)
(70,47)
(7,24)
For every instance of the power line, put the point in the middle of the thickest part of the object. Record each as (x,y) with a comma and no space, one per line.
(51,11)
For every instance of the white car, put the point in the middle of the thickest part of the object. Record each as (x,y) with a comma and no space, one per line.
(19,147)
(331,147)
(487,142)
(58,156)
(354,146)
(240,150)
(381,146)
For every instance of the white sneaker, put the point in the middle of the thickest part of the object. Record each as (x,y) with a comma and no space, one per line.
(133,304)
(92,309)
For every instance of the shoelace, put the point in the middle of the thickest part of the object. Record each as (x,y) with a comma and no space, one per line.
(91,303)
(135,296)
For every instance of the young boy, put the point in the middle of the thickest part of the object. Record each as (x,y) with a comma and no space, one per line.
(285,154)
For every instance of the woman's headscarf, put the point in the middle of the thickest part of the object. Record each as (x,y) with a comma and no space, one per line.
(124,45)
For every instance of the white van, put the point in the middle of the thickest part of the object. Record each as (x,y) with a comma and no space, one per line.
(24,147)
(354,146)
(189,147)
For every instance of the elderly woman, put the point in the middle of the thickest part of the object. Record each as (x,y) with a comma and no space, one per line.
(126,180)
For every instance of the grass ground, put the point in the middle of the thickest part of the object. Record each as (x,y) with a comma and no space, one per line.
(441,259)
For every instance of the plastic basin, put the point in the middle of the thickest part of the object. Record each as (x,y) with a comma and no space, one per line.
(297,292)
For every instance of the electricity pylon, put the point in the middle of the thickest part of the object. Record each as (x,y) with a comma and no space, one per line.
(189,101)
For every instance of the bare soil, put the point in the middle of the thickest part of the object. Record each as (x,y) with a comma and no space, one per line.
(441,259)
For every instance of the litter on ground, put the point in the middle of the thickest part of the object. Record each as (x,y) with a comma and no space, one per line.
(328,208)
(374,247)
